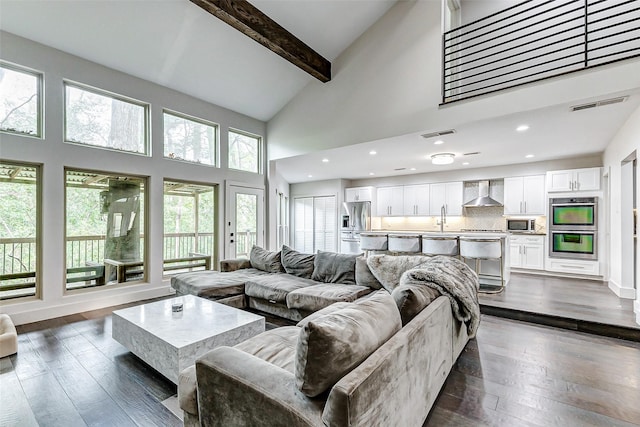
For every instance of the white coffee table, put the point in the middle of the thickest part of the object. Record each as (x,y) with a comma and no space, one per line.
(170,342)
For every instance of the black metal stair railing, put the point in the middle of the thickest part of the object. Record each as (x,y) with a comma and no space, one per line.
(535,40)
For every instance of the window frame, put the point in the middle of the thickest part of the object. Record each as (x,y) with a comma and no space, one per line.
(40,93)
(145,232)
(102,92)
(216,142)
(39,217)
(260,149)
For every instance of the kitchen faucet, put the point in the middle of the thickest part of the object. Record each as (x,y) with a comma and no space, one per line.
(443,217)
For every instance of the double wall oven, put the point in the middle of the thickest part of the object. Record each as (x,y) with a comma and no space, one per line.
(573,228)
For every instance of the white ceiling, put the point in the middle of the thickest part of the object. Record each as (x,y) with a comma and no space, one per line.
(554,133)
(176,44)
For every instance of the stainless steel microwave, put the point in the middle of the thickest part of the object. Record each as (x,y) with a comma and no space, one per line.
(521,224)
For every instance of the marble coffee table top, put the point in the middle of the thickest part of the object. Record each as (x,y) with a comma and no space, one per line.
(199,319)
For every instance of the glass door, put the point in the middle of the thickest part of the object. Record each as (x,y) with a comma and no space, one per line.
(245,220)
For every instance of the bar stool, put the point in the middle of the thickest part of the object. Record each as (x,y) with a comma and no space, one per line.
(437,245)
(483,249)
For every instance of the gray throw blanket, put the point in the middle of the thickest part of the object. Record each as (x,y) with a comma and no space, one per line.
(453,279)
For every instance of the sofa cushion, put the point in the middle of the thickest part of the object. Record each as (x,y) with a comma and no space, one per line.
(331,267)
(412,299)
(364,277)
(316,297)
(327,310)
(275,287)
(332,345)
(265,260)
(277,346)
(187,390)
(297,263)
(389,268)
(214,284)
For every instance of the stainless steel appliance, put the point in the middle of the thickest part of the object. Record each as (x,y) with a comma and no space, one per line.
(357,218)
(573,228)
(573,213)
(522,225)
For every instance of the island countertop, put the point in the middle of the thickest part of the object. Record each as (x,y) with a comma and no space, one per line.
(447,233)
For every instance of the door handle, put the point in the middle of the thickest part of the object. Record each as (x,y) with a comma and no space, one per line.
(525,207)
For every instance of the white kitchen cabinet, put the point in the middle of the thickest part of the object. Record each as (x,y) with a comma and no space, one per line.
(358,194)
(448,194)
(586,179)
(416,200)
(527,252)
(390,201)
(524,195)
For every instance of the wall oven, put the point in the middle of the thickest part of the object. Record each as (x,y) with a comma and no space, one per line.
(573,228)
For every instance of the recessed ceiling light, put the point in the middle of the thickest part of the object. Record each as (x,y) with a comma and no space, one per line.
(528,156)
(309,176)
(442,158)
(438,142)
(412,169)
(522,128)
(373,152)
(371,173)
(465,163)
(325,160)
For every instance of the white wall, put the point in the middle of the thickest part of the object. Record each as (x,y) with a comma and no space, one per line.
(54,155)
(623,144)
(388,83)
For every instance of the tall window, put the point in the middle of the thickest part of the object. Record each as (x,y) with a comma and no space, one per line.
(315,224)
(244,151)
(189,139)
(19,222)
(189,218)
(20,101)
(105,219)
(99,119)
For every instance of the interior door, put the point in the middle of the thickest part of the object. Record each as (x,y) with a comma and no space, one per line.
(244,222)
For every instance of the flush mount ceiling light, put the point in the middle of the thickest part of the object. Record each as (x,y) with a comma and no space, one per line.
(325,160)
(528,156)
(442,158)
(373,152)
(522,128)
(438,142)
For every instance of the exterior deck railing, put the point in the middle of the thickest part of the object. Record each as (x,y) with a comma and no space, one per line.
(535,40)
(86,265)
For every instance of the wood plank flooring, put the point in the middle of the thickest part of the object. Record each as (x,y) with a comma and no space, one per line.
(70,372)
(578,304)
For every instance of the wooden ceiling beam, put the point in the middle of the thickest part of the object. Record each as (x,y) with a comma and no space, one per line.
(249,20)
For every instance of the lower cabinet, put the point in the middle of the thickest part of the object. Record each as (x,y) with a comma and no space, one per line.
(527,252)
(573,266)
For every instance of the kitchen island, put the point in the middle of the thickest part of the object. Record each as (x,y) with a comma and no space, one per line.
(489,270)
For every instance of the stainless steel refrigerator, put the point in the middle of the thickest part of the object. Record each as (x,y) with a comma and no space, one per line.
(355,219)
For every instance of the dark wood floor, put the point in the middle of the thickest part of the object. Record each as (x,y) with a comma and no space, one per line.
(586,301)
(70,372)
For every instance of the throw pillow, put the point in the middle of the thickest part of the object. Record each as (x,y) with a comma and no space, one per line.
(297,263)
(262,259)
(389,268)
(364,277)
(412,299)
(331,267)
(330,346)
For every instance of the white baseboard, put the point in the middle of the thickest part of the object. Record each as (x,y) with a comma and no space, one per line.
(621,292)
(636,310)
(40,310)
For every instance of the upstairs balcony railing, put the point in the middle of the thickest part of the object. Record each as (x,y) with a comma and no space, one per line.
(536,40)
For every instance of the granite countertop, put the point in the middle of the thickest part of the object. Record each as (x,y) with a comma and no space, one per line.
(447,233)
(528,233)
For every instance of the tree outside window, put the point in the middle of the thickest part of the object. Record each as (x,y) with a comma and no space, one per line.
(19,101)
(189,139)
(244,151)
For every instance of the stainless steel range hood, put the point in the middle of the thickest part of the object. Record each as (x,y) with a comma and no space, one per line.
(483,199)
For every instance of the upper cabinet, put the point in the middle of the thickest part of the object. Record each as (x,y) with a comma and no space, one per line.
(416,200)
(524,195)
(390,201)
(587,179)
(358,194)
(447,194)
